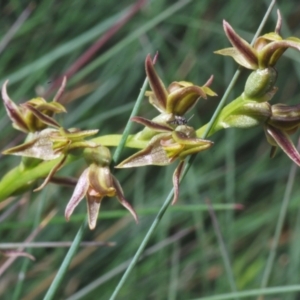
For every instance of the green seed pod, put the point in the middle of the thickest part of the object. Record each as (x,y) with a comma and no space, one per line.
(260,82)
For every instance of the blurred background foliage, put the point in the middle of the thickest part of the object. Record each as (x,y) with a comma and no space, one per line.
(183,259)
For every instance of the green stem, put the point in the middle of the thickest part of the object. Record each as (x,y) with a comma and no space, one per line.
(124,139)
(65,264)
(279,225)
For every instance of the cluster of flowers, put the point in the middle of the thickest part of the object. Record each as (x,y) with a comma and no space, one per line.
(168,136)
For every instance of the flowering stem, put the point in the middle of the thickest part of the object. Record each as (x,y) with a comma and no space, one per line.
(124,138)
(188,165)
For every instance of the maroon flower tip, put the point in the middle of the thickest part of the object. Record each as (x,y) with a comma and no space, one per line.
(279,22)
(209,81)
(155,58)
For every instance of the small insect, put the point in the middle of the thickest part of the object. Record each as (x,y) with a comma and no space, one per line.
(180,120)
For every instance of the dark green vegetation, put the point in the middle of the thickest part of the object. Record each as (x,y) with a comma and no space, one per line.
(183,258)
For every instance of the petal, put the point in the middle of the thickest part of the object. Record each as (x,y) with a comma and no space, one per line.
(182,138)
(74,133)
(183,99)
(101,181)
(51,173)
(13,111)
(176,181)
(122,200)
(152,125)
(172,148)
(285,117)
(269,55)
(53,107)
(78,194)
(242,46)
(279,22)
(40,147)
(93,207)
(156,84)
(60,90)
(237,56)
(41,116)
(284,142)
(153,154)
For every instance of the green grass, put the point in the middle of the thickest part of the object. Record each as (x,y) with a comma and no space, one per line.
(182,259)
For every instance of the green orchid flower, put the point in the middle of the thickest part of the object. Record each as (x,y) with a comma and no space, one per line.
(95,183)
(165,147)
(50,144)
(266,51)
(172,102)
(35,114)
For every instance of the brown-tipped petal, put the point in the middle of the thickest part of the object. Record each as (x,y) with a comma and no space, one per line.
(237,56)
(279,22)
(176,181)
(285,143)
(78,194)
(16,253)
(51,173)
(153,154)
(61,89)
(122,200)
(269,55)
(242,46)
(13,111)
(93,207)
(152,125)
(182,100)
(42,117)
(39,147)
(156,84)
(154,60)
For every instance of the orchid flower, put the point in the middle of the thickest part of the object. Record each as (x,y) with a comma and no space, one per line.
(166,147)
(95,183)
(265,52)
(172,102)
(50,144)
(284,121)
(35,114)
